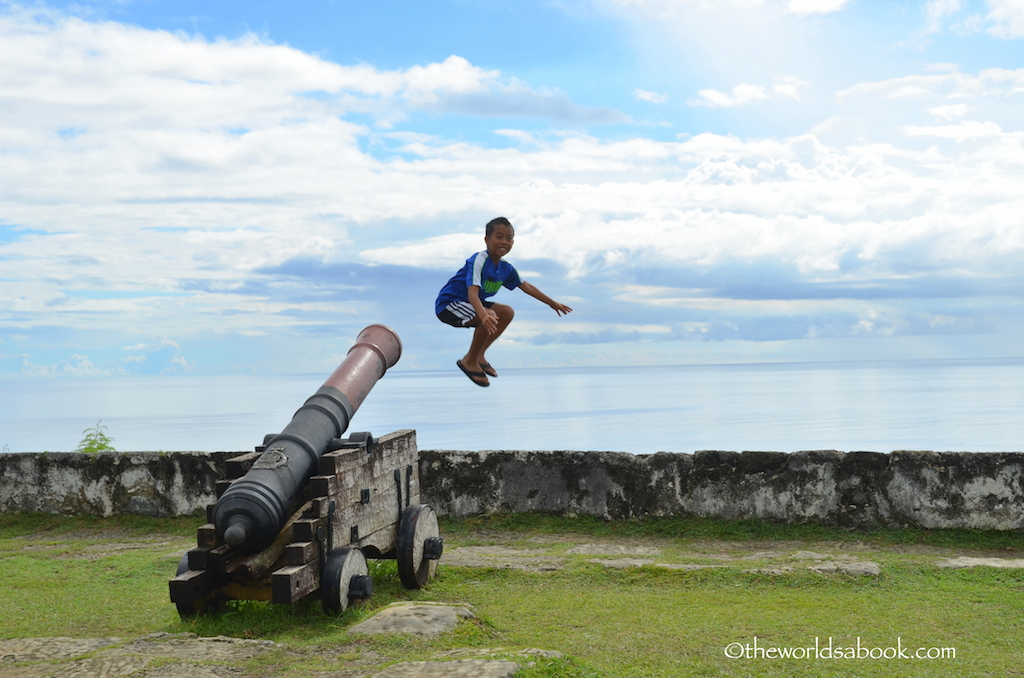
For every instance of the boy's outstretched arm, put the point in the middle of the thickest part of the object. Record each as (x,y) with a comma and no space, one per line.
(559,308)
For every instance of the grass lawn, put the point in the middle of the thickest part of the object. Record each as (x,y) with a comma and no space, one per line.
(86,577)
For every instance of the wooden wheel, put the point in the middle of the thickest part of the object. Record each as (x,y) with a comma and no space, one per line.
(344,580)
(419,546)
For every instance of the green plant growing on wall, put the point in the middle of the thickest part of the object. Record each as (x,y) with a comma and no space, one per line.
(95,440)
(7,450)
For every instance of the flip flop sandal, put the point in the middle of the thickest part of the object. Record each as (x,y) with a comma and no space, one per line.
(488,370)
(478,378)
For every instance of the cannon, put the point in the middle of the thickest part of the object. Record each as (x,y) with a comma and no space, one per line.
(301,514)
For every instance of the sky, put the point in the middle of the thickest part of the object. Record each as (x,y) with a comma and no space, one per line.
(240,187)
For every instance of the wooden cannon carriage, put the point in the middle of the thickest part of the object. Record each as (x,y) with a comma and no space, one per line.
(301,514)
(364,503)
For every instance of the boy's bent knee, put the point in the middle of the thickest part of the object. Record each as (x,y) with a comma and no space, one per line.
(504,312)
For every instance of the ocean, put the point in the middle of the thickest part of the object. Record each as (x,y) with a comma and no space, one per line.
(961,405)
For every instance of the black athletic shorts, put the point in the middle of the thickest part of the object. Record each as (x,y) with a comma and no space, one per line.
(458,313)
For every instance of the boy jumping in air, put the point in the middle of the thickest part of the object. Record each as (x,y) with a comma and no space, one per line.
(462,302)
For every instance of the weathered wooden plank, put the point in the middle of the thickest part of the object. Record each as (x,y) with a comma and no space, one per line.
(400,443)
(382,486)
(319,508)
(206,535)
(236,467)
(352,496)
(368,518)
(323,486)
(224,559)
(198,558)
(384,540)
(305,529)
(343,461)
(258,564)
(380,519)
(300,553)
(260,590)
(192,585)
(374,489)
(295,582)
(332,462)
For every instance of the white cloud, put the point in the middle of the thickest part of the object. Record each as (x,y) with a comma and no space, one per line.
(786,87)
(741,94)
(965,131)
(1007,17)
(670,8)
(652,97)
(74,74)
(75,366)
(815,6)
(950,112)
(795,201)
(169,168)
(935,12)
(442,252)
(990,82)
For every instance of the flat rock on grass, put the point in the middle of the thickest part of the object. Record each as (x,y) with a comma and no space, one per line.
(50,649)
(809,555)
(57,656)
(98,666)
(217,648)
(613,550)
(774,571)
(621,563)
(467,652)
(858,569)
(417,618)
(460,668)
(194,671)
(686,567)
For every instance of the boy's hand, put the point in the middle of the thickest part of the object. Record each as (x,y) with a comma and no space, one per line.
(490,321)
(560,309)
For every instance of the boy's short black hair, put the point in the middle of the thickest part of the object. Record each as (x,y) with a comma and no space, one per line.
(497,221)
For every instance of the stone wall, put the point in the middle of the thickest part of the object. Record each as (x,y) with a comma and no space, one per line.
(146,483)
(855,489)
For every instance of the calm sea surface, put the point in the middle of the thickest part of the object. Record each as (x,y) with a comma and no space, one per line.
(925,405)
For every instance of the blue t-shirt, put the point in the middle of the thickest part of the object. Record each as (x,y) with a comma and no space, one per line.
(478,270)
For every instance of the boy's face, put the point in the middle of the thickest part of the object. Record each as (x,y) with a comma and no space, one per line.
(499,242)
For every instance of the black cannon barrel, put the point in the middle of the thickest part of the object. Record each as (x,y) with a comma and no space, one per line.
(253,510)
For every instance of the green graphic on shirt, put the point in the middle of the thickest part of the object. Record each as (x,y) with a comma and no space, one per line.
(491,286)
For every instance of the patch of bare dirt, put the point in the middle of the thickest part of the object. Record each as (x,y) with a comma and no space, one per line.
(108,535)
(500,556)
(776,557)
(108,549)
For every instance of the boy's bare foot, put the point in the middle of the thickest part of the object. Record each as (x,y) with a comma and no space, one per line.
(488,370)
(478,378)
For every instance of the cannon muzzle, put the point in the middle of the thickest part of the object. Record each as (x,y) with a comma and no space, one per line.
(253,510)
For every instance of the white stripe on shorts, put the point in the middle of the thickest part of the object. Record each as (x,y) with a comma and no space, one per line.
(463,309)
